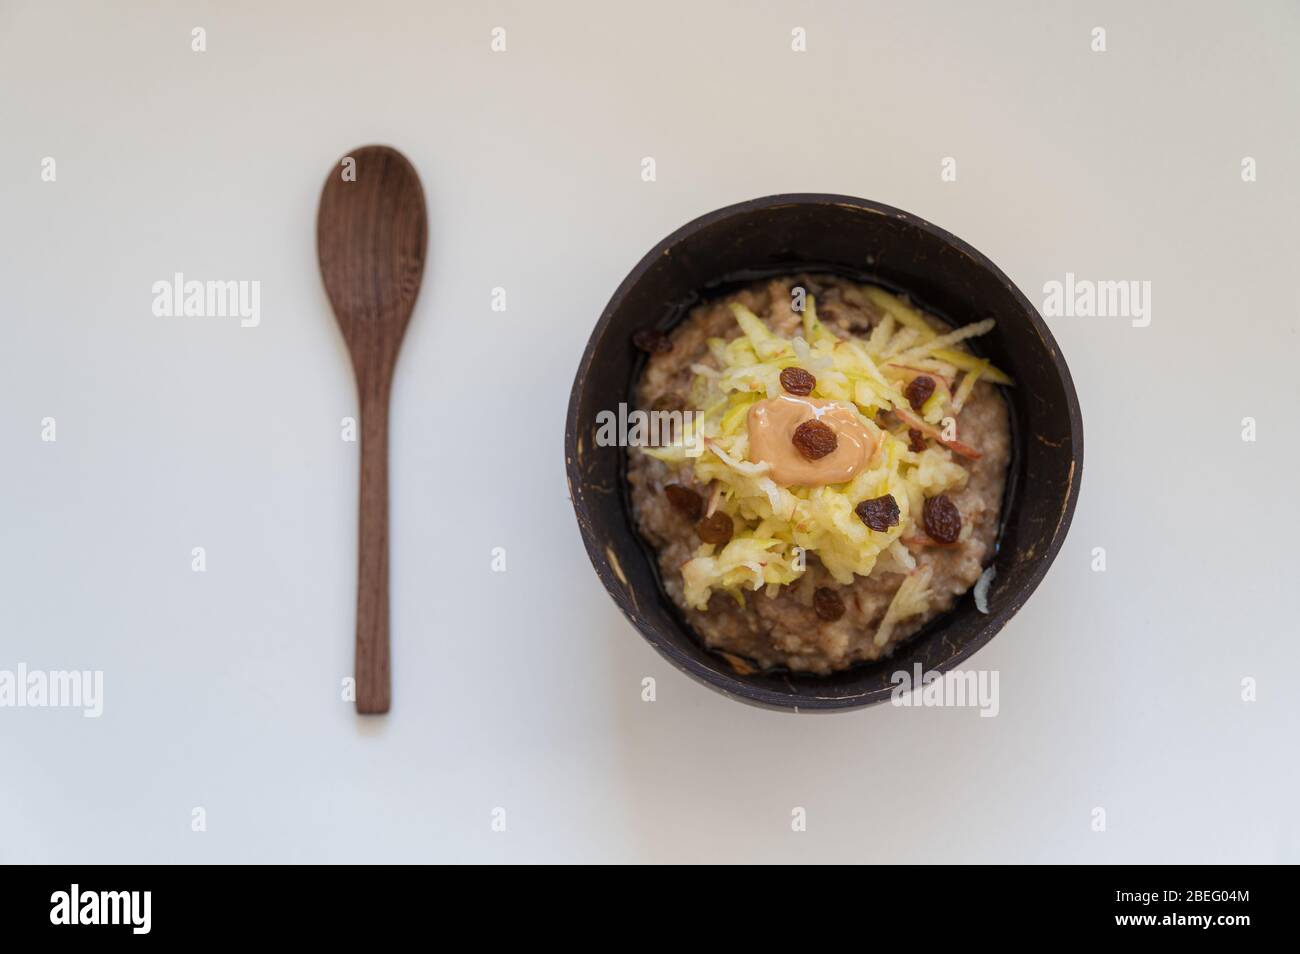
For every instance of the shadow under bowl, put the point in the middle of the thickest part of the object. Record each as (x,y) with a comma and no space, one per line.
(866,241)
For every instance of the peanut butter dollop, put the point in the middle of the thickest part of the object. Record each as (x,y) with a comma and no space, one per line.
(772,423)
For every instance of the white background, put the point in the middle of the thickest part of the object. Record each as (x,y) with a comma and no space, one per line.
(1119,690)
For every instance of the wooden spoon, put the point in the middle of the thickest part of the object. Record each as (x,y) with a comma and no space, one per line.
(371,235)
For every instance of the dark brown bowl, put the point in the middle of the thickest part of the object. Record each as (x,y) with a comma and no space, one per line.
(866,241)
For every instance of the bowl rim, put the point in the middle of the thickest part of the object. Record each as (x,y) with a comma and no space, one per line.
(735,686)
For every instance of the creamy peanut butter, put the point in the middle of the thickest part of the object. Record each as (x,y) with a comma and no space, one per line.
(772,423)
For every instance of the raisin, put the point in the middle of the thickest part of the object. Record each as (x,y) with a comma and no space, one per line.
(919,390)
(669,401)
(879,513)
(685,500)
(715,529)
(798,381)
(652,342)
(942,519)
(814,439)
(829,313)
(827,604)
(915,440)
(666,420)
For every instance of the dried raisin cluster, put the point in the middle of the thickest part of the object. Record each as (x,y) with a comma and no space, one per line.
(798,381)
(684,500)
(942,519)
(716,529)
(814,439)
(919,390)
(879,513)
(827,604)
(652,342)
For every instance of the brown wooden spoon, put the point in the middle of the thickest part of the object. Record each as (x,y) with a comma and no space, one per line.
(371,235)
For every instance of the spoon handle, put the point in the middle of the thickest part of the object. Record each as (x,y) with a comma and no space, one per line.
(372,672)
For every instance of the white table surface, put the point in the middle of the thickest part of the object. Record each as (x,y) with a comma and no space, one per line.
(522,690)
